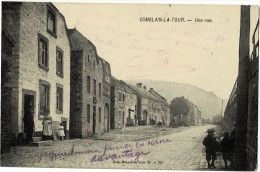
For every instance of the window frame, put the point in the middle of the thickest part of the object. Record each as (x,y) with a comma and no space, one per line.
(99,89)
(59,50)
(88,84)
(88,113)
(50,10)
(46,41)
(95,87)
(59,86)
(99,114)
(46,84)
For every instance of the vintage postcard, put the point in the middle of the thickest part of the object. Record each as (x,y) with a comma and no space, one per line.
(129,86)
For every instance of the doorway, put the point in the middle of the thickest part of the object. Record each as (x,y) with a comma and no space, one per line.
(94,119)
(106,117)
(28,119)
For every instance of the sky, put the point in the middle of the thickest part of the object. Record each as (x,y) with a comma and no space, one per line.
(203,54)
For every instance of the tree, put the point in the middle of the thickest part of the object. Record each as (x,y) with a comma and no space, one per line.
(179,107)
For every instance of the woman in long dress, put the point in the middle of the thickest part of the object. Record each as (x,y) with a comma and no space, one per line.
(47,127)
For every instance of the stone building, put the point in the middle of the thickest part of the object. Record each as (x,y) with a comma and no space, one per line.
(106,93)
(40,56)
(130,106)
(118,104)
(6,89)
(86,84)
(150,109)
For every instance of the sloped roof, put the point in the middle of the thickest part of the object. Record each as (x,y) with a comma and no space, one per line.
(142,92)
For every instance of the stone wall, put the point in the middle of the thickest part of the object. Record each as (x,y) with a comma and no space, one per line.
(26,21)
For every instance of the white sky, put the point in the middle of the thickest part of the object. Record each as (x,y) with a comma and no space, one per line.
(201,54)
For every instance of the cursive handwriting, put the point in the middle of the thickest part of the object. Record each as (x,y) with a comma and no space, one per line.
(52,155)
(126,153)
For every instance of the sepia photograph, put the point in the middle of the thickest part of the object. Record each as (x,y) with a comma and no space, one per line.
(136,86)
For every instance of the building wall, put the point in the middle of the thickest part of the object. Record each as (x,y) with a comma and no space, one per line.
(76,94)
(88,98)
(6,92)
(106,94)
(32,21)
(119,109)
(130,108)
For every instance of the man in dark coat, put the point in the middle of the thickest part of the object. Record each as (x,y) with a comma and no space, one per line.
(225,147)
(211,145)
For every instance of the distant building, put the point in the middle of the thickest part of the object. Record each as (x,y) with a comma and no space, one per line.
(40,65)
(150,109)
(87,117)
(106,93)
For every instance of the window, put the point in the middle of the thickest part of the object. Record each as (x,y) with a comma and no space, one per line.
(88,84)
(99,114)
(99,89)
(43,52)
(123,98)
(120,118)
(119,96)
(158,110)
(95,87)
(88,113)
(59,62)
(44,99)
(88,58)
(59,104)
(51,22)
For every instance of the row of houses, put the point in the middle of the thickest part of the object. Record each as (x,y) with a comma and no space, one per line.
(48,68)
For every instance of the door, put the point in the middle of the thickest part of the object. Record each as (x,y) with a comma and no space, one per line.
(94,119)
(28,113)
(106,118)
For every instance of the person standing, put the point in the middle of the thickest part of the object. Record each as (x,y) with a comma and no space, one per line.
(47,126)
(232,141)
(211,145)
(225,148)
(29,124)
(61,133)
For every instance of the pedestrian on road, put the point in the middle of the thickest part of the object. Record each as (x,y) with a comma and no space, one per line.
(225,147)
(211,145)
(47,126)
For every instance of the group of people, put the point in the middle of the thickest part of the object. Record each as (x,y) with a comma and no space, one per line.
(226,145)
(47,133)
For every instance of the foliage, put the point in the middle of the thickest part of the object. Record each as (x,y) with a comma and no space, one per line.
(179,106)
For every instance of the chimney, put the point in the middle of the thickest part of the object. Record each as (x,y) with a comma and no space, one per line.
(151,89)
(139,85)
(144,87)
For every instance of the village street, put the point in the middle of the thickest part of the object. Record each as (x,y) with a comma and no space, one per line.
(180,149)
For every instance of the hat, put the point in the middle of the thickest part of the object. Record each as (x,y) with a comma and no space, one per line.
(211,130)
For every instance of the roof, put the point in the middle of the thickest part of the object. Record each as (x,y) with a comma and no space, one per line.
(142,92)
(80,42)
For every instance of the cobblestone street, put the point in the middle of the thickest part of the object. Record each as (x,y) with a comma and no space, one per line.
(175,149)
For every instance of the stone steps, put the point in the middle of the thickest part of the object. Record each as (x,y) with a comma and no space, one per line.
(36,139)
(42,143)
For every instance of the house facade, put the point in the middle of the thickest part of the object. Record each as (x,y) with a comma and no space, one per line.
(86,115)
(39,58)
(106,93)
(118,104)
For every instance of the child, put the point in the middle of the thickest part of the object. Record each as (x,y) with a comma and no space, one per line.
(224,147)
(61,133)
